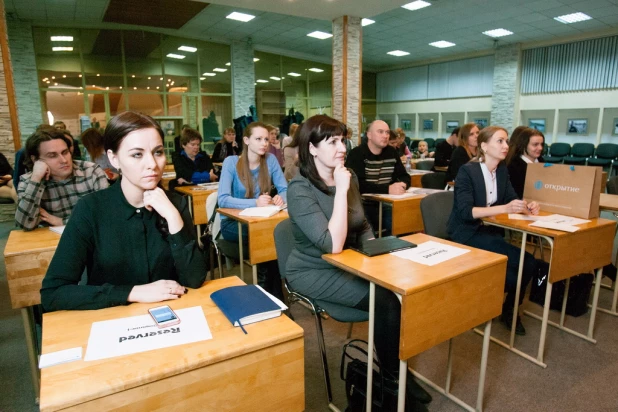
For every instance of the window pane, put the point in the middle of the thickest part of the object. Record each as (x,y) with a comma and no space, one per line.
(65,106)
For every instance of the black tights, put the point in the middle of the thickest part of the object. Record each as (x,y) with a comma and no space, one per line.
(387,323)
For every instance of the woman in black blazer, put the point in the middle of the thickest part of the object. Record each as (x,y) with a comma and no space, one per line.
(465,150)
(482,190)
(526,146)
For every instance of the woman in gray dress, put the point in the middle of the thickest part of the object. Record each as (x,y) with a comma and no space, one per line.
(327,216)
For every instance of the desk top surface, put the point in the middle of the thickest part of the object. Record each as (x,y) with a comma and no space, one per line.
(524,225)
(608,202)
(235,214)
(34,241)
(194,190)
(405,277)
(76,382)
(388,199)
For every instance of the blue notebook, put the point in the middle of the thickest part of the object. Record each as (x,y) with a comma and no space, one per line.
(247,304)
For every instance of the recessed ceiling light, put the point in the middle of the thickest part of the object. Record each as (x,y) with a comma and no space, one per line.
(175,56)
(261,81)
(53,77)
(497,33)
(62,48)
(64,76)
(209,74)
(255,59)
(160,78)
(188,49)
(415,5)
(147,87)
(442,44)
(133,75)
(275,78)
(61,38)
(149,77)
(367,22)
(121,87)
(313,69)
(294,74)
(134,88)
(217,69)
(240,16)
(202,78)
(320,35)
(572,18)
(228,64)
(80,75)
(107,88)
(398,53)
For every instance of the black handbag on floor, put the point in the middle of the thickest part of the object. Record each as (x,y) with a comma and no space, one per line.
(385,387)
(579,291)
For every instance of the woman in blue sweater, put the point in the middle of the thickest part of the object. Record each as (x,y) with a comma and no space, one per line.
(247,181)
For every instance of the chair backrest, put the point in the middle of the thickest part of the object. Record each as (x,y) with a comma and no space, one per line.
(425,165)
(284,244)
(612,185)
(435,210)
(559,149)
(582,150)
(435,180)
(211,204)
(431,142)
(414,144)
(607,151)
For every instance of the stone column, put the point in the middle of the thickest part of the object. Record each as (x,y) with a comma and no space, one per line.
(25,76)
(506,86)
(243,77)
(347,72)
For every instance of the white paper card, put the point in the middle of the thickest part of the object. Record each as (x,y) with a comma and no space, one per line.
(57,229)
(567,220)
(555,226)
(262,211)
(431,253)
(136,334)
(413,172)
(62,356)
(517,216)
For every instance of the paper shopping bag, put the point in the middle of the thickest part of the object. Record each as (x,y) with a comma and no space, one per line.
(567,190)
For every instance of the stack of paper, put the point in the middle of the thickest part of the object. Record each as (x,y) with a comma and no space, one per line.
(431,253)
(262,211)
(57,229)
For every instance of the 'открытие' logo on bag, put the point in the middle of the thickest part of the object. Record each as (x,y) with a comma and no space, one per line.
(538,185)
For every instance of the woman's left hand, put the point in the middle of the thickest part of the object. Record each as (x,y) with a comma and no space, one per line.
(278,201)
(534,208)
(213,176)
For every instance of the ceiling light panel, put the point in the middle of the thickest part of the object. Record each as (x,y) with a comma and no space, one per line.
(175,56)
(442,44)
(218,69)
(416,5)
(320,35)
(572,18)
(497,33)
(398,53)
(367,22)
(294,74)
(209,74)
(240,16)
(261,81)
(62,48)
(316,70)
(275,78)
(61,38)
(188,49)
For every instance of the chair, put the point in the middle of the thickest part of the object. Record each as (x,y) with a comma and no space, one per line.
(425,165)
(557,152)
(612,185)
(221,246)
(284,244)
(580,152)
(414,145)
(435,180)
(431,143)
(435,211)
(605,154)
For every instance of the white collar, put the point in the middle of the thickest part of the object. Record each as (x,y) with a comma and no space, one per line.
(525,159)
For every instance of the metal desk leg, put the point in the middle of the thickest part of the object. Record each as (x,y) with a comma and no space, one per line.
(240,251)
(539,356)
(403,376)
(31,342)
(595,302)
(484,355)
(372,313)
(520,271)
(379,219)
(255,278)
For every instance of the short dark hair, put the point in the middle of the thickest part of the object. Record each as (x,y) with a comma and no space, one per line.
(40,135)
(59,123)
(456,131)
(124,123)
(314,130)
(392,135)
(188,135)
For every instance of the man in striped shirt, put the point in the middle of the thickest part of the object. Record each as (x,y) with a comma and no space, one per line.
(379,170)
(48,194)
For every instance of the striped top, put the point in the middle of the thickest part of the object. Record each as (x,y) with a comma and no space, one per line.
(376,172)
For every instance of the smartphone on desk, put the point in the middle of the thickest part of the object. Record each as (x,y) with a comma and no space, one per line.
(164,316)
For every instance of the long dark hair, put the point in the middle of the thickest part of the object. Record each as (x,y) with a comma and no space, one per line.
(244,170)
(314,130)
(93,142)
(519,142)
(117,129)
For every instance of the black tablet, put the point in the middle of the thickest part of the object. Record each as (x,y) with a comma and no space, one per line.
(388,244)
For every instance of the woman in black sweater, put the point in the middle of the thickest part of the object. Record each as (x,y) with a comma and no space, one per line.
(466,149)
(525,146)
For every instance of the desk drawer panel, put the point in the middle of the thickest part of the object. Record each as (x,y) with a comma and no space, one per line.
(25,275)
(437,314)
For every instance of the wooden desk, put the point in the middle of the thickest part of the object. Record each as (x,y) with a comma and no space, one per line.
(261,237)
(436,301)
(610,203)
(197,204)
(407,216)
(27,256)
(260,371)
(571,254)
(166,179)
(413,162)
(168,168)
(416,176)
